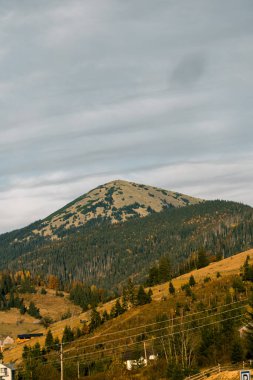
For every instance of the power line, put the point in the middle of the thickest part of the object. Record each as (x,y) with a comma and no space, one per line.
(136,343)
(151,324)
(166,327)
(154,338)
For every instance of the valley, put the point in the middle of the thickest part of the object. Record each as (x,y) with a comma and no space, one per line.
(162,305)
(123,270)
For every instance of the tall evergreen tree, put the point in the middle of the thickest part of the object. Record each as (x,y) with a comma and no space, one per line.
(95,321)
(171,288)
(68,335)
(192,281)
(202,259)
(164,269)
(142,297)
(49,341)
(237,352)
(33,310)
(249,331)
(247,270)
(118,308)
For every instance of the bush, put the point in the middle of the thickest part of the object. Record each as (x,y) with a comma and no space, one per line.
(66,315)
(46,321)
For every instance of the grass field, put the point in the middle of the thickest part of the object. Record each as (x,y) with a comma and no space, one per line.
(225,267)
(51,305)
(12,323)
(161,302)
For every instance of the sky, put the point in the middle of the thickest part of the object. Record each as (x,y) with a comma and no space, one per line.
(156,92)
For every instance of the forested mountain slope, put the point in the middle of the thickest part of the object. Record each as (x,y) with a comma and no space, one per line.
(106,254)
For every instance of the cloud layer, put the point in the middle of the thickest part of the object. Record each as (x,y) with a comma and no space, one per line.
(156,92)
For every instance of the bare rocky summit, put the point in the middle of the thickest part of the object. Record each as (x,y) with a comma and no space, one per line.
(116,201)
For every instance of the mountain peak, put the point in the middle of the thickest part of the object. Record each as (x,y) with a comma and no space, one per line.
(116,201)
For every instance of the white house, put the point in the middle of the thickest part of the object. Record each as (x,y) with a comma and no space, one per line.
(132,363)
(8,341)
(7,371)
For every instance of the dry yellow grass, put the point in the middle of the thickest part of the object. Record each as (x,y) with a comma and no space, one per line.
(51,305)
(227,375)
(226,267)
(57,329)
(12,323)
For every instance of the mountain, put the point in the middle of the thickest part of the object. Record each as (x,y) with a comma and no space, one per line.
(102,237)
(116,201)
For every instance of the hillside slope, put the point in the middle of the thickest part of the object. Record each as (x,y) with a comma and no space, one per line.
(106,254)
(115,202)
(162,303)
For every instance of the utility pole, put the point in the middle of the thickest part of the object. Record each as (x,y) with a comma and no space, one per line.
(165,352)
(145,353)
(78,370)
(61,353)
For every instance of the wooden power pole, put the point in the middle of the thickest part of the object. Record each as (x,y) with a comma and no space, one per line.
(78,370)
(145,353)
(61,352)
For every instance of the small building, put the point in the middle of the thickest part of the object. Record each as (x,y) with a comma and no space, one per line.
(134,361)
(244,330)
(7,371)
(25,337)
(8,341)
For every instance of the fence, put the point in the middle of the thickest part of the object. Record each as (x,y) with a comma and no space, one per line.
(220,368)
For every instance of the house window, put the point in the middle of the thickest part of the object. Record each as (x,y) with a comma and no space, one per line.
(3,371)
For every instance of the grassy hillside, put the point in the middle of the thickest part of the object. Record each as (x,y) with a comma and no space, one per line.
(50,305)
(209,294)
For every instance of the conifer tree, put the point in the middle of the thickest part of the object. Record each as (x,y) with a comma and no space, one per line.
(249,331)
(57,344)
(142,296)
(153,276)
(130,288)
(68,335)
(247,270)
(118,308)
(95,321)
(192,281)
(202,259)
(33,310)
(164,269)
(22,308)
(171,288)
(237,352)
(49,341)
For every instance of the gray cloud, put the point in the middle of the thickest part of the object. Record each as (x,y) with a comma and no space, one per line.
(157,92)
(189,70)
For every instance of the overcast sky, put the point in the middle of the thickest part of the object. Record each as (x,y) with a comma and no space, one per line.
(157,92)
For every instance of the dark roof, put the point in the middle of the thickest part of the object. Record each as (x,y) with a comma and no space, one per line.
(28,336)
